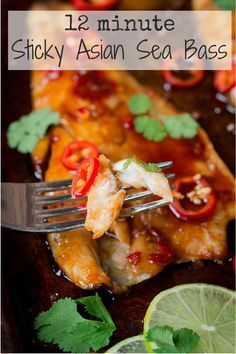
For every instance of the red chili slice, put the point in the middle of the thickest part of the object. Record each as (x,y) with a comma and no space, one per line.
(76,151)
(181,78)
(224,80)
(184,206)
(189,77)
(84,177)
(134,258)
(94,4)
(164,254)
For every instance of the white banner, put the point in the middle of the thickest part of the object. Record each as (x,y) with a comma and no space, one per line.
(123,40)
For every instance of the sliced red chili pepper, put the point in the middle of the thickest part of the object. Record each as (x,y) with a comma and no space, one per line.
(183,78)
(93,85)
(134,258)
(192,202)
(76,151)
(164,254)
(224,80)
(94,4)
(85,176)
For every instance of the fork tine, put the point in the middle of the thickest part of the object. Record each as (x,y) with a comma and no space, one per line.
(58,198)
(66,183)
(79,223)
(165,164)
(74,210)
(140,195)
(135,196)
(53,186)
(142,208)
(48,213)
(61,226)
(53,199)
(170,176)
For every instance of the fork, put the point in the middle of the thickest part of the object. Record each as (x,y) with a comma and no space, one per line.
(25,205)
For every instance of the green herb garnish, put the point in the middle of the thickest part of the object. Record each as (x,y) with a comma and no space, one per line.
(139,104)
(225,4)
(150,166)
(24,133)
(181,126)
(150,128)
(63,325)
(176,126)
(172,341)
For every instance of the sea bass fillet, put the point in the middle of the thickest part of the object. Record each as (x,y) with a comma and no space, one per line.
(93,107)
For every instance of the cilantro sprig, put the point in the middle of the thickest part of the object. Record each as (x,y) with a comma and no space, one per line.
(24,133)
(148,166)
(176,126)
(182,340)
(63,325)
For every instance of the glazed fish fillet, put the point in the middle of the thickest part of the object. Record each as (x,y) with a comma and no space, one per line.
(104,200)
(136,176)
(123,256)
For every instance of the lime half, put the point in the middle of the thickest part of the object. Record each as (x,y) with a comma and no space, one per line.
(206,309)
(130,345)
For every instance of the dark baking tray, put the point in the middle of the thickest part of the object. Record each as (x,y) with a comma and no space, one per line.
(30,281)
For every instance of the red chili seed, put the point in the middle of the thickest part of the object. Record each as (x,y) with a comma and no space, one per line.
(164,254)
(83,113)
(134,258)
(128,123)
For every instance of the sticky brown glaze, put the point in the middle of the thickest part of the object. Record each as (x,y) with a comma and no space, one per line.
(106,101)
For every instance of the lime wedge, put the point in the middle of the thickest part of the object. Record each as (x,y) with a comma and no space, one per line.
(206,309)
(129,345)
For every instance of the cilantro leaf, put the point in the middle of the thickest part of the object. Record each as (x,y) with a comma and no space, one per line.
(181,126)
(150,128)
(86,336)
(61,317)
(185,339)
(225,4)
(63,325)
(161,335)
(168,340)
(94,305)
(148,166)
(24,133)
(139,104)
(128,162)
